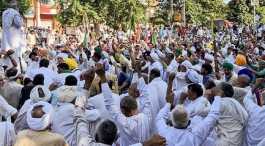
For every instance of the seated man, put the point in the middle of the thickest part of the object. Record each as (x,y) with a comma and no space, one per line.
(39,118)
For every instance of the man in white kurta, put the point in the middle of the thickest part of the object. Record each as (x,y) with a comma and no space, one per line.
(190,136)
(255,131)
(12,35)
(134,129)
(231,124)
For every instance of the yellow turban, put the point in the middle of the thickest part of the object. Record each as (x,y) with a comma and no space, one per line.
(241,60)
(71,63)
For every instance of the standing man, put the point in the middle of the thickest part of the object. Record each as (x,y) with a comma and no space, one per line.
(12,35)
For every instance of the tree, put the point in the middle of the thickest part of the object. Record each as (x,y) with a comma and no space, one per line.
(261,12)
(198,12)
(73,13)
(113,12)
(23,6)
(240,11)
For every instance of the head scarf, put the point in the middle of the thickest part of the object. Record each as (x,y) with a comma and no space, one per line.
(42,123)
(241,60)
(246,72)
(228,66)
(193,76)
(36,94)
(71,63)
(67,93)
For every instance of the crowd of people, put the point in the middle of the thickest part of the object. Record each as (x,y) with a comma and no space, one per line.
(154,86)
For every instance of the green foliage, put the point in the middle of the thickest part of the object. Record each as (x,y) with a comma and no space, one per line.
(114,12)
(198,12)
(73,13)
(240,12)
(261,12)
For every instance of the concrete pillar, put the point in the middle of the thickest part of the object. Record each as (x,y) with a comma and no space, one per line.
(37,13)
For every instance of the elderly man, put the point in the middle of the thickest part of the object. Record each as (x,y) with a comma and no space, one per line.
(181,131)
(39,118)
(134,126)
(38,93)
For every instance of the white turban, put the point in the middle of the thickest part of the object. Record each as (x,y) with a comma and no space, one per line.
(67,93)
(43,122)
(193,76)
(35,94)
(187,64)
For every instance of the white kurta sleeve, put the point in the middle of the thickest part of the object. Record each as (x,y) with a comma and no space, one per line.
(249,103)
(114,111)
(205,127)
(83,138)
(161,118)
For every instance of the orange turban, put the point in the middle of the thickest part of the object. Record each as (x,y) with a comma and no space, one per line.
(241,60)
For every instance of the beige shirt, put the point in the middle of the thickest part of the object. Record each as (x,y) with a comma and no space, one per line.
(39,138)
(11,92)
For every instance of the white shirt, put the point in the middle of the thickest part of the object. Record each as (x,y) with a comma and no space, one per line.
(157,65)
(191,136)
(231,124)
(134,129)
(158,87)
(200,106)
(255,130)
(64,123)
(49,75)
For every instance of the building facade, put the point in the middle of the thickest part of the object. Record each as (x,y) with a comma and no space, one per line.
(42,14)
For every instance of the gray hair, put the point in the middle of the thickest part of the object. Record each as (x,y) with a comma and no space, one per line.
(180,117)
